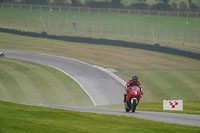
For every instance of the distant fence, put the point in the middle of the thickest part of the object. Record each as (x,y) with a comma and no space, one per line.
(101,10)
(75,21)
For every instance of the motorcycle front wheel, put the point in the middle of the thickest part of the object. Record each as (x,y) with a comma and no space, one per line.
(133,105)
(127,109)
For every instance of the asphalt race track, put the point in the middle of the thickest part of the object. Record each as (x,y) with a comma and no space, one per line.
(100,87)
(183,119)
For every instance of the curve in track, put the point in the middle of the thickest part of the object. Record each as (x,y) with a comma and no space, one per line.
(100,86)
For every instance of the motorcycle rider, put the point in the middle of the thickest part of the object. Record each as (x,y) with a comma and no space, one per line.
(130,83)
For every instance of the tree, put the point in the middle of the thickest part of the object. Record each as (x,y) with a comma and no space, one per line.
(139,4)
(161,5)
(59,2)
(76,3)
(194,7)
(38,2)
(174,6)
(183,6)
(166,2)
(7,1)
(190,3)
(116,3)
(140,1)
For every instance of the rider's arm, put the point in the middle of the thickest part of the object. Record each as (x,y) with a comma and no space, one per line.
(140,86)
(127,86)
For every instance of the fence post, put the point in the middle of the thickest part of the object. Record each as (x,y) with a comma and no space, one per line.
(31,7)
(11,6)
(60,8)
(101,28)
(57,24)
(184,38)
(196,37)
(66,22)
(1,5)
(127,25)
(40,7)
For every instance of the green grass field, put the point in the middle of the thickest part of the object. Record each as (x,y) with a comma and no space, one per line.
(29,83)
(16,118)
(188,107)
(179,32)
(163,76)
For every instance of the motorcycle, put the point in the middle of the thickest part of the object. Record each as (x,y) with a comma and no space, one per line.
(1,54)
(132,98)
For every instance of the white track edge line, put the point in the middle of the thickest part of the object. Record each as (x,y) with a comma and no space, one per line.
(77,82)
(113,75)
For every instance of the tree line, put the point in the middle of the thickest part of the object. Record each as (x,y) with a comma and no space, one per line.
(187,5)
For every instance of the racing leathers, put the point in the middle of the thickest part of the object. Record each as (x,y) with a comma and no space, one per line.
(129,84)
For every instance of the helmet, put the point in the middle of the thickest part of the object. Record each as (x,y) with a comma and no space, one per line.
(135,78)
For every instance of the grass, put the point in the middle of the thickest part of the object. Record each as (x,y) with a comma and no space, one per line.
(29,83)
(20,119)
(163,76)
(168,31)
(157,71)
(188,107)
(168,84)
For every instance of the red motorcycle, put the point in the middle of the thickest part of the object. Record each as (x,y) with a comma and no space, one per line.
(133,98)
(1,53)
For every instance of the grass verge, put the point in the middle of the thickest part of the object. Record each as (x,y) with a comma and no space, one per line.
(163,76)
(30,83)
(20,119)
(188,107)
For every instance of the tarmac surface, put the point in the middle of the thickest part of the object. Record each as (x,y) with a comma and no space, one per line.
(174,118)
(99,85)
